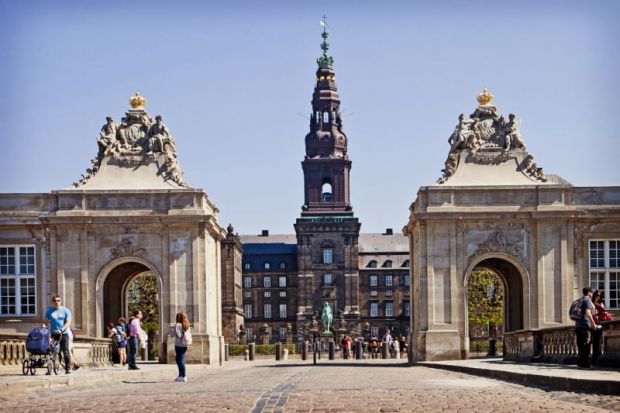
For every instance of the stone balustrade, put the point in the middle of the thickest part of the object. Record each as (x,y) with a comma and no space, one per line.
(88,351)
(558,345)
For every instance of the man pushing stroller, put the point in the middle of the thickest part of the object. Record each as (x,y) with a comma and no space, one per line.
(59,318)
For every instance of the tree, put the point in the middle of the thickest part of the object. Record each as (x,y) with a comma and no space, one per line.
(485,302)
(143,295)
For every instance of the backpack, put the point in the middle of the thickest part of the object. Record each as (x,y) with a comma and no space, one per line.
(575,313)
(186,340)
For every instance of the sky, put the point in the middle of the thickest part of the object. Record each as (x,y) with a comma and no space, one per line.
(233,81)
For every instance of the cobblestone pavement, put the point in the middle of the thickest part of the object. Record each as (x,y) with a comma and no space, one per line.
(292,386)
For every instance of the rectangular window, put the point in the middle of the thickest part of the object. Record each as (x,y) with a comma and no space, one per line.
(374,331)
(247,282)
(373,280)
(248,310)
(604,275)
(407,308)
(328,255)
(247,294)
(407,280)
(249,333)
(327,279)
(267,310)
(17,280)
(247,266)
(267,282)
(282,310)
(267,294)
(282,293)
(373,293)
(389,309)
(374,309)
(388,293)
(282,282)
(282,334)
(389,281)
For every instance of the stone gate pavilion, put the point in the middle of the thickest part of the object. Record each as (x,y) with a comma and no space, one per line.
(494,208)
(131,213)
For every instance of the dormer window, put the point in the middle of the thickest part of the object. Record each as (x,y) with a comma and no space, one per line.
(267,265)
(405,264)
(372,264)
(387,264)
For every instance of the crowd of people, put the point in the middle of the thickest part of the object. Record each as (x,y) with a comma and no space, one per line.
(371,347)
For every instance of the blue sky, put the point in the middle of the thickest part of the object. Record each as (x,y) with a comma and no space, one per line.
(233,81)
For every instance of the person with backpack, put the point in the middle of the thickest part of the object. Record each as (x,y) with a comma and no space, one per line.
(582,311)
(182,340)
(121,335)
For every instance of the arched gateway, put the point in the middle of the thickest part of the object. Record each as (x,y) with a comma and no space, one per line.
(131,212)
(494,208)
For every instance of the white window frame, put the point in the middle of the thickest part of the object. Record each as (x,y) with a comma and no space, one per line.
(267,266)
(247,266)
(389,310)
(373,280)
(282,333)
(282,293)
(247,282)
(247,294)
(249,333)
(374,331)
(283,313)
(266,282)
(374,309)
(247,309)
(267,310)
(328,255)
(327,279)
(282,281)
(389,293)
(267,294)
(18,277)
(407,280)
(373,293)
(606,273)
(389,280)
(407,307)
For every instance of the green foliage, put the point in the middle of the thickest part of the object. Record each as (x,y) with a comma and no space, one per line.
(143,295)
(485,310)
(263,349)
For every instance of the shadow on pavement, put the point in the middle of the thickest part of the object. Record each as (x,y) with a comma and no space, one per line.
(338,364)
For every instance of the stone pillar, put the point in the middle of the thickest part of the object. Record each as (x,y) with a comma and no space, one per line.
(289,334)
(304,351)
(226,351)
(384,350)
(332,349)
(358,349)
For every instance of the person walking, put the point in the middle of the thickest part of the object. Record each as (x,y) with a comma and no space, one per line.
(182,339)
(59,318)
(585,326)
(134,336)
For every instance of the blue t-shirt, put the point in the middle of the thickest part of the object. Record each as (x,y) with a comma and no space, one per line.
(57,317)
(584,322)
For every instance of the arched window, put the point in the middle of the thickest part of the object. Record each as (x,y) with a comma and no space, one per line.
(326,191)
(387,264)
(405,264)
(372,264)
(267,265)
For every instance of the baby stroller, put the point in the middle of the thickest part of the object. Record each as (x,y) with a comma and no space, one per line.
(43,351)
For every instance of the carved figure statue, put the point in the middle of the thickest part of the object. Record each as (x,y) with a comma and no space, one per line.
(173,172)
(326,317)
(513,134)
(107,136)
(159,139)
(530,168)
(461,134)
(450,168)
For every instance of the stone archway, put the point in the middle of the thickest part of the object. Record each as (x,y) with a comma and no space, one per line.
(111,290)
(515,281)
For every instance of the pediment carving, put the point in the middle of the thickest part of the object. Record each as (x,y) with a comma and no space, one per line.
(496,242)
(127,248)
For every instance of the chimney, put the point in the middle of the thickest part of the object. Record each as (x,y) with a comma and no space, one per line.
(389,231)
(264,233)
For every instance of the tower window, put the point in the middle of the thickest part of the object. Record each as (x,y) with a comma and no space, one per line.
(326,192)
(328,255)
(325,117)
(318,117)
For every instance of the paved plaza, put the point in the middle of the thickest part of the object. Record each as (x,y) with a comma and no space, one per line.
(295,386)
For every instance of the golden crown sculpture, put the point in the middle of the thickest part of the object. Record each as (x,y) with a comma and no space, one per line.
(137,101)
(485,98)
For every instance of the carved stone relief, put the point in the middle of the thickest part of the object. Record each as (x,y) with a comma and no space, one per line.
(496,242)
(127,248)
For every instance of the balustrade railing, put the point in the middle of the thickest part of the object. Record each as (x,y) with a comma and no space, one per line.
(97,351)
(558,345)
